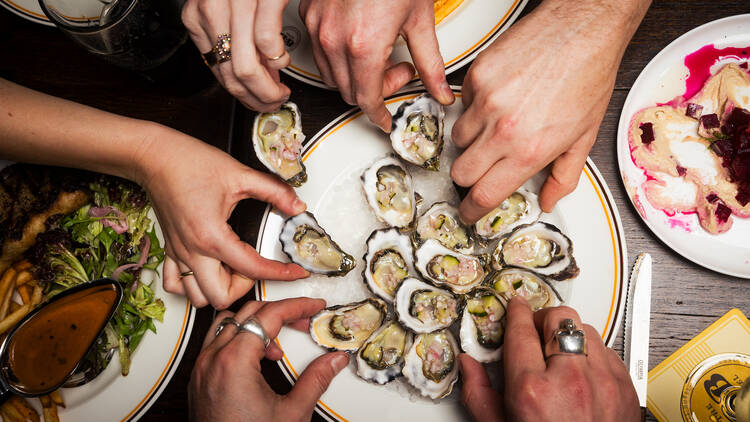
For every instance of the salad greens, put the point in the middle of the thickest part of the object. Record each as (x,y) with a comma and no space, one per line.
(110,237)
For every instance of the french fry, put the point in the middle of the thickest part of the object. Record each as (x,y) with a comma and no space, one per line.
(6,281)
(22,265)
(46,400)
(12,413)
(14,306)
(12,319)
(57,398)
(5,303)
(25,292)
(23,277)
(22,406)
(50,412)
(36,295)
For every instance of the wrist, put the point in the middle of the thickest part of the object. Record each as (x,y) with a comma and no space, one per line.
(143,158)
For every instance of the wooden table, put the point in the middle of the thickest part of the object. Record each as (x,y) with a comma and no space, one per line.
(686,297)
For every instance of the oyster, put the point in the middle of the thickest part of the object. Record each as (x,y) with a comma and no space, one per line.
(430,365)
(521,207)
(483,325)
(381,358)
(389,190)
(277,140)
(388,261)
(441,222)
(540,247)
(308,245)
(444,267)
(424,308)
(346,327)
(537,291)
(417,132)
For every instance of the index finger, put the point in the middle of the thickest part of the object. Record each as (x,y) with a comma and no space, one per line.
(368,74)
(497,184)
(523,349)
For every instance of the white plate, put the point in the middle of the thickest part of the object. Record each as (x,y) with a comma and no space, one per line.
(335,157)
(463,34)
(660,81)
(112,397)
(27,9)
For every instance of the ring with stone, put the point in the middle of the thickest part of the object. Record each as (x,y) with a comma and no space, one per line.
(566,340)
(221,52)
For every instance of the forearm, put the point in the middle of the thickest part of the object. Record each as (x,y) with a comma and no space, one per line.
(38,128)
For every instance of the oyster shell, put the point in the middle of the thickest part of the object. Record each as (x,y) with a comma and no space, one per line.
(389,190)
(308,245)
(423,308)
(540,247)
(388,261)
(277,140)
(417,131)
(521,207)
(444,267)
(483,325)
(381,357)
(537,291)
(441,222)
(346,327)
(430,364)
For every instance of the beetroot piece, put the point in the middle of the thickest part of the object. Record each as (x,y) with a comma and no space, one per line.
(743,65)
(694,110)
(681,170)
(737,122)
(723,148)
(709,126)
(647,133)
(712,197)
(722,213)
(743,194)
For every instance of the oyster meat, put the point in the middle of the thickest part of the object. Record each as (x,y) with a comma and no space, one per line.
(430,365)
(424,308)
(381,358)
(308,245)
(537,291)
(388,261)
(444,267)
(346,327)
(483,325)
(521,207)
(389,190)
(277,140)
(540,247)
(441,222)
(417,131)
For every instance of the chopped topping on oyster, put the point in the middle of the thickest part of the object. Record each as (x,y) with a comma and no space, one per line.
(346,327)
(442,266)
(423,308)
(389,191)
(541,247)
(483,325)
(436,354)
(441,223)
(277,140)
(431,364)
(537,291)
(388,261)
(381,357)
(417,133)
(521,207)
(308,245)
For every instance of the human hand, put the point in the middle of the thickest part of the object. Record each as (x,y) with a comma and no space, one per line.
(194,187)
(537,96)
(352,40)
(596,387)
(257,48)
(227,383)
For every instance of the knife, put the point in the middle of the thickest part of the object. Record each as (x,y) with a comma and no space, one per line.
(637,319)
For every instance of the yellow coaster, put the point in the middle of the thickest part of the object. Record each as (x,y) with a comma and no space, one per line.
(730,334)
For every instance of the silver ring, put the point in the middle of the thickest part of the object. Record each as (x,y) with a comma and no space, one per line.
(252,325)
(566,340)
(224,322)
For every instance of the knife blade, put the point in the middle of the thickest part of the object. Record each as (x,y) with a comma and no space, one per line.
(637,320)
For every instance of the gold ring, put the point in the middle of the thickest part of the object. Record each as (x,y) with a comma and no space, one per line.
(221,52)
(186,274)
(273,59)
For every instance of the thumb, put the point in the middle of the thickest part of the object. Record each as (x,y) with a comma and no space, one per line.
(314,380)
(271,189)
(477,394)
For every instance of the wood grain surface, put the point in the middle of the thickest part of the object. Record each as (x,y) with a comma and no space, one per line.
(686,297)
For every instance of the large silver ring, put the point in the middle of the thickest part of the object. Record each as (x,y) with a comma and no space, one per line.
(566,340)
(225,321)
(221,52)
(252,325)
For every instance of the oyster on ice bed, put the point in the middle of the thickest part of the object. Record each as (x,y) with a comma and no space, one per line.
(381,358)
(423,308)
(417,131)
(277,141)
(537,291)
(441,222)
(346,327)
(309,246)
(430,365)
(540,247)
(447,268)
(388,261)
(483,325)
(389,190)
(521,207)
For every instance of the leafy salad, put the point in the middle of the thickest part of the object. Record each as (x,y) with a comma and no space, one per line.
(113,237)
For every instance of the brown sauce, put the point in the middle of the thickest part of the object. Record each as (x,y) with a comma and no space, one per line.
(44,351)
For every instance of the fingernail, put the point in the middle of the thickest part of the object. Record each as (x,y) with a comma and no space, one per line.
(447,94)
(520,299)
(339,362)
(298,206)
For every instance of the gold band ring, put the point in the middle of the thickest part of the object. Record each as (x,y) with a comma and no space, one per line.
(221,52)
(273,59)
(185,274)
